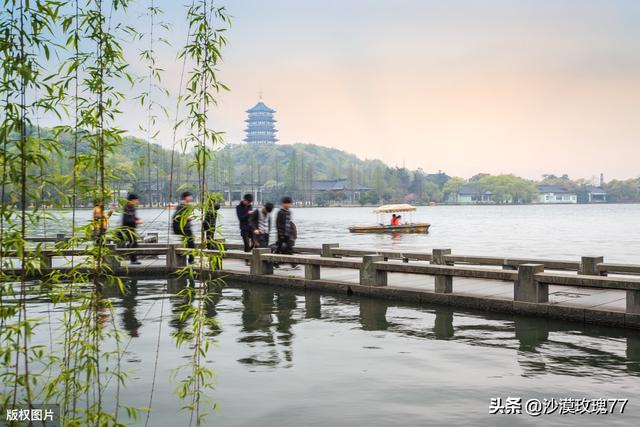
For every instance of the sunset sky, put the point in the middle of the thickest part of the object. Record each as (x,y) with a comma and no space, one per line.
(498,86)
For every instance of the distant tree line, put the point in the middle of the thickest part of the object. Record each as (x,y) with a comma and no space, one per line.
(292,169)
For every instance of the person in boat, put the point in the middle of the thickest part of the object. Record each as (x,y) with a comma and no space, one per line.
(130,222)
(243,212)
(209,223)
(287,231)
(100,220)
(181,222)
(393,219)
(261,225)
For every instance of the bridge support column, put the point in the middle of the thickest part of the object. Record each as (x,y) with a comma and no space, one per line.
(633,302)
(526,288)
(312,272)
(258,266)
(443,284)
(369,274)
(45,260)
(326,249)
(111,258)
(175,260)
(589,265)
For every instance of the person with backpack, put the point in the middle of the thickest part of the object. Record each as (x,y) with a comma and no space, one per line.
(181,223)
(261,225)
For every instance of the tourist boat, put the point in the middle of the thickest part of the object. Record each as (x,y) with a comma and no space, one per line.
(384,227)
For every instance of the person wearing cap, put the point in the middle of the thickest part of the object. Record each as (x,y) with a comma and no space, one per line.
(181,223)
(130,222)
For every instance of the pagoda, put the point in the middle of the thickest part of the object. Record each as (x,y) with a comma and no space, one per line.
(260,125)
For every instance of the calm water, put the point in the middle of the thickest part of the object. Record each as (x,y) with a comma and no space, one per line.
(563,231)
(309,359)
(290,359)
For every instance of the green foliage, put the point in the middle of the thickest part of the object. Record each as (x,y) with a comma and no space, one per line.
(452,187)
(370,197)
(623,191)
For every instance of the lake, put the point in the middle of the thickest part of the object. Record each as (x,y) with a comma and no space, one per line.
(289,358)
(560,231)
(285,358)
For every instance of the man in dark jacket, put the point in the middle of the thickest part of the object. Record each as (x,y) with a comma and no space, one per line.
(130,221)
(243,211)
(182,222)
(287,233)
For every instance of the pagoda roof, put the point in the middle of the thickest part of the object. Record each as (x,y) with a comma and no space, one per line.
(260,107)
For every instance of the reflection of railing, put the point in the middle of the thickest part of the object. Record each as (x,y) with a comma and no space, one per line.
(530,289)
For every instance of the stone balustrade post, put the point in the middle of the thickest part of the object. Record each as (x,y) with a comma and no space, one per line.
(260,267)
(443,284)
(175,261)
(369,274)
(527,288)
(312,272)
(111,257)
(633,302)
(326,249)
(46,260)
(589,265)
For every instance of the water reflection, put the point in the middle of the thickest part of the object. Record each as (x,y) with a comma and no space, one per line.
(269,341)
(129,304)
(443,324)
(268,317)
(373,315)
(541,346)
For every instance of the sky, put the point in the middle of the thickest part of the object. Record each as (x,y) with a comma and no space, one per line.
(528,87)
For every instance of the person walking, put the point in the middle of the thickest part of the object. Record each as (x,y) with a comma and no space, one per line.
(182,223)
(243,211)
(287,232)
(209,223)
(130,222)
(261,225)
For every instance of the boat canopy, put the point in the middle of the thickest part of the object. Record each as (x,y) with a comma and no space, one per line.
(395,208)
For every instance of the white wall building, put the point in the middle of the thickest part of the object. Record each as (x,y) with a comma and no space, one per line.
(553,194)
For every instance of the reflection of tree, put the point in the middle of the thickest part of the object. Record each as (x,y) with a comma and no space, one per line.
(373,314)
(258,327)
(129,303)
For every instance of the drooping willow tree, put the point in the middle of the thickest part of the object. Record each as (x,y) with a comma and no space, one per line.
(65,59)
